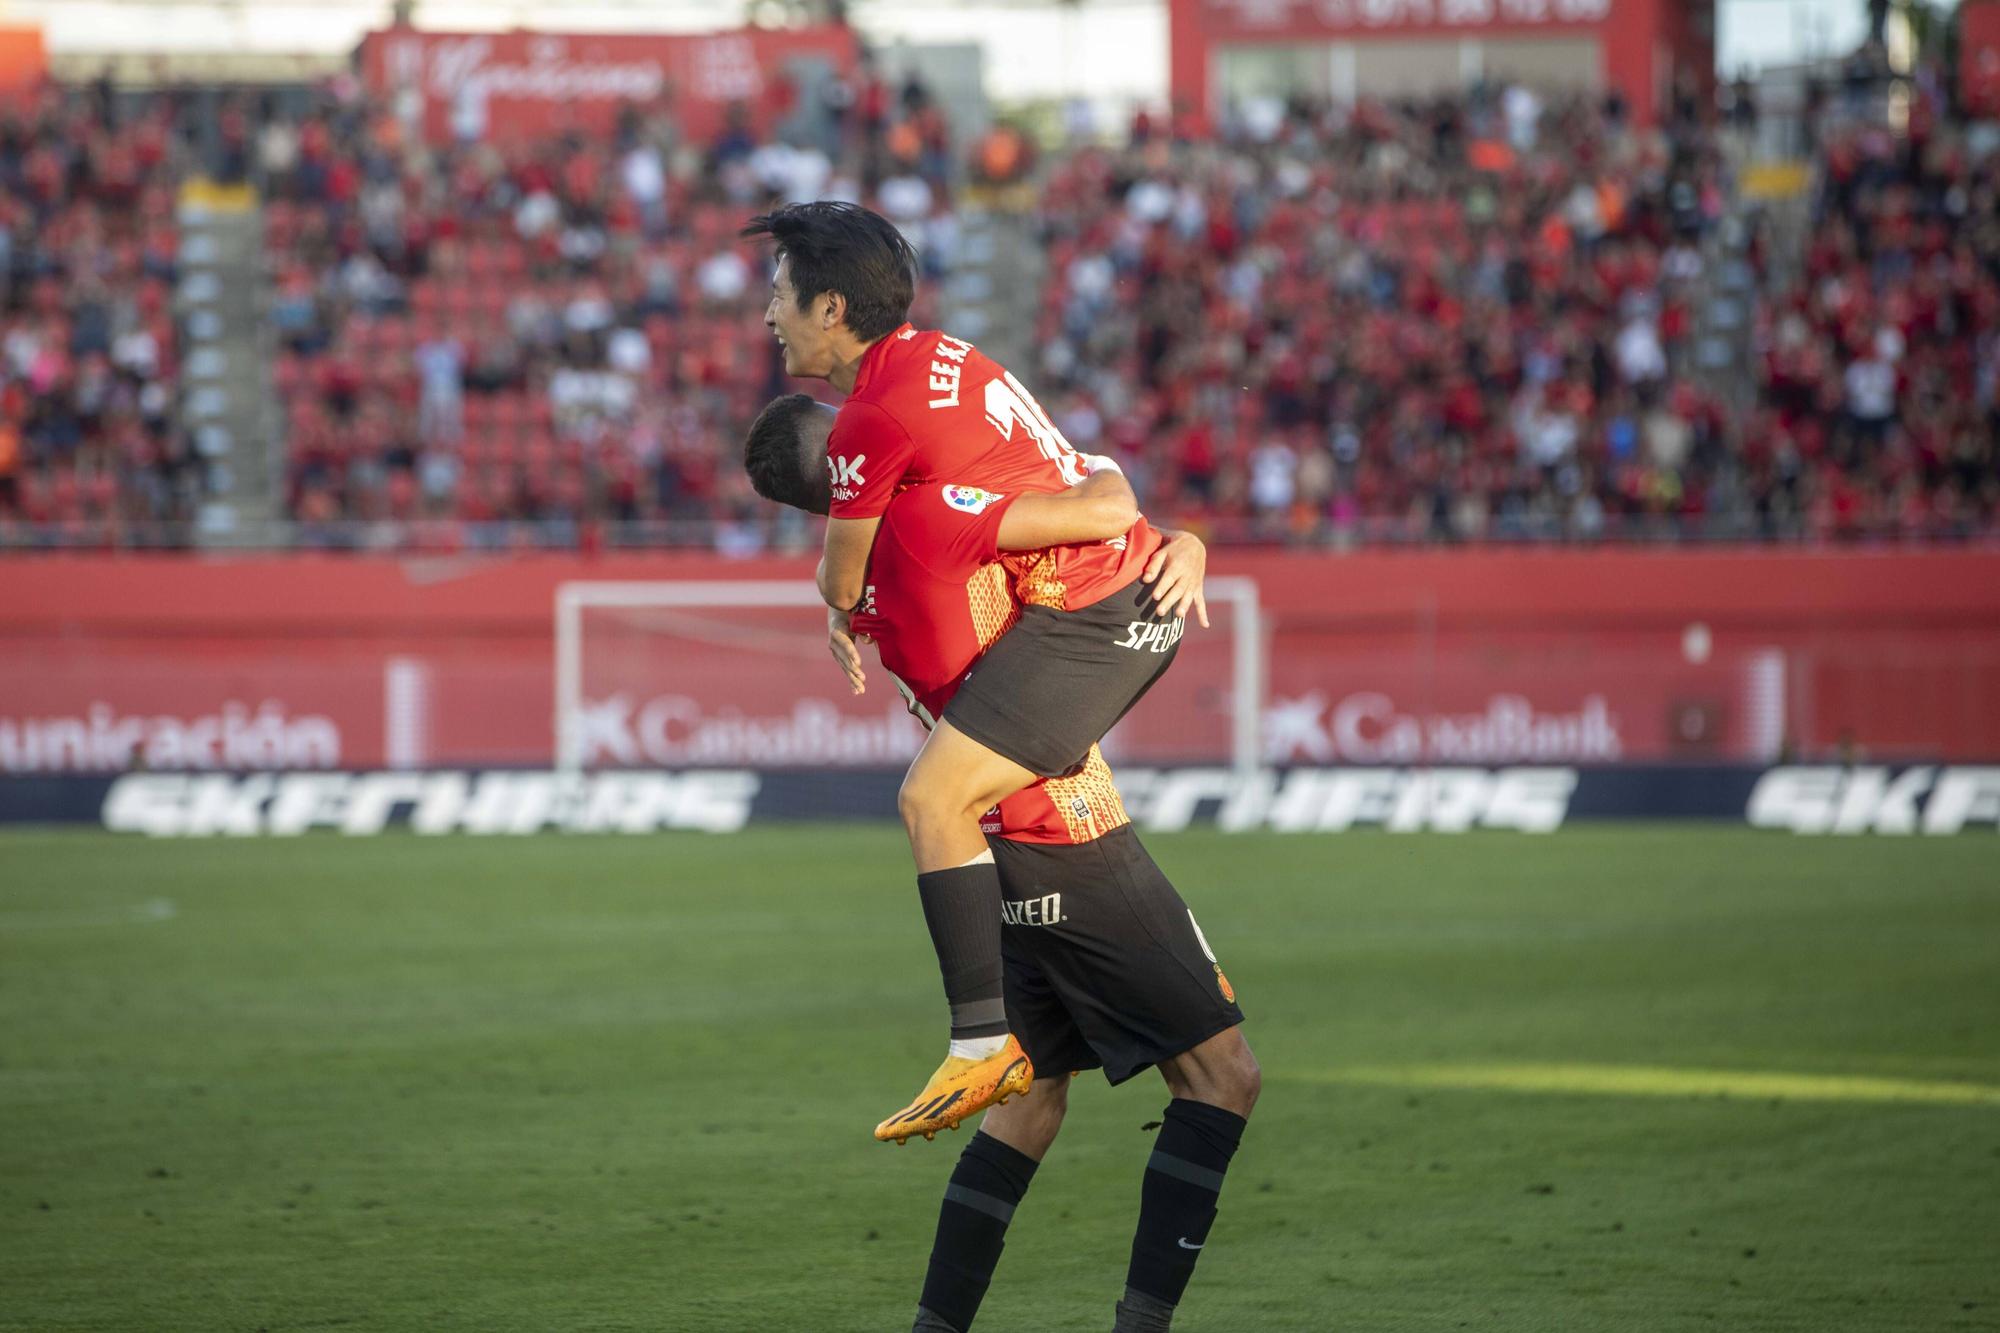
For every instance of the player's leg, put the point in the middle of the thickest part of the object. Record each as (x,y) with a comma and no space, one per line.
(987,1185)
(952,782)
(1125,956)
(1214,1087)
(993,1173)
(1032,707)
(959,888)
(1222,1071)
(1029,1123)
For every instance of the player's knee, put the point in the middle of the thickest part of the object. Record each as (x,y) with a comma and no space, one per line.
(1222,1072)
(1247,1080)
(931,805)
(1053,1094)
(1049,1103)
(917,804)
(1045,1106)
(1237,1076)
(1030,1122)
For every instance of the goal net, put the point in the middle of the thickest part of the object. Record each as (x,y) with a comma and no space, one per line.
(737,674)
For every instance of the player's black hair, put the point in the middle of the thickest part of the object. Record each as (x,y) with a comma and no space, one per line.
(844,248)
(775,456)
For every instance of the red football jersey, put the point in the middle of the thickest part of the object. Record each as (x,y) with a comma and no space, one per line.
(929,407)
(937,598)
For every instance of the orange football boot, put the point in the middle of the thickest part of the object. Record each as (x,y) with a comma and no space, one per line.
(961,1087)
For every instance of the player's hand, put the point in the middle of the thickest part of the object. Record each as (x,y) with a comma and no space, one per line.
(840,640)
(1176,572)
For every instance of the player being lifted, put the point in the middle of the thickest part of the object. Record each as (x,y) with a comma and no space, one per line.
(1104,965)
(926,407)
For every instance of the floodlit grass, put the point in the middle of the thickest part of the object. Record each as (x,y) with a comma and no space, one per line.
(1640,1078)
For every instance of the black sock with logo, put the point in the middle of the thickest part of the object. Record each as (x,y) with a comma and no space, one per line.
(979,1202)
(1177,1204)
(962,909)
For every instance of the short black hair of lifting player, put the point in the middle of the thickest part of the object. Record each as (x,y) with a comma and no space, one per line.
(781,468)
(844,248)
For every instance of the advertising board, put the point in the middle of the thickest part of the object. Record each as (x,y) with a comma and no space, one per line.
(504,85)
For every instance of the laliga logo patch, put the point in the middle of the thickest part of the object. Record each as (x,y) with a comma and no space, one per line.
(970,499)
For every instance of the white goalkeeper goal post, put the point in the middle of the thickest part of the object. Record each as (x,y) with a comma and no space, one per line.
(736,672)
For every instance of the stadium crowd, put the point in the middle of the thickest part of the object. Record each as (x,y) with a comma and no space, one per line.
(558,333)
(1478,319)
(1880,365)
(1462,318)
(90,444)
(1472,318)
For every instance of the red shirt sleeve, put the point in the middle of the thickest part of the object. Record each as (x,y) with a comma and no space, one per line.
(952,530)
(867,453)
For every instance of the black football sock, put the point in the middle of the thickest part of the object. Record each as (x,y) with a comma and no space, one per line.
(962,909)
(1176,1208)
(1140,1313)
(985,1187)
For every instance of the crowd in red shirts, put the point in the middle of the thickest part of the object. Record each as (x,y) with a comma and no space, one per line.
(90,448)
(1481,319)
(1879,365)
(1476,318)
(547,342)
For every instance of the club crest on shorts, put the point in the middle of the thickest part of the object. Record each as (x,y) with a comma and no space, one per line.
(969,499)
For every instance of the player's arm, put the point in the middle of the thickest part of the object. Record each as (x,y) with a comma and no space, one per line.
(867,454)
(1096,509)
(843,564)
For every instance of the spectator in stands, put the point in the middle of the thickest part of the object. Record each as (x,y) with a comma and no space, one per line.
(440,404)
(89,449)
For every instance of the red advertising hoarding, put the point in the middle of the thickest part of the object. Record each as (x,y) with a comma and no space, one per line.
(509,85)
(1979,57)
(1379,657)
(1258,18)
(24,60)
(1641,43)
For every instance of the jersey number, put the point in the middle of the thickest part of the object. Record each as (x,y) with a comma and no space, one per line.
(1007,402)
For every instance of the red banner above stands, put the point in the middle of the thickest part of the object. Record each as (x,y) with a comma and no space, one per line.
(1252,18)
(504,85)
(1640,44)
(24,60)
(1979,57)
(1452,658)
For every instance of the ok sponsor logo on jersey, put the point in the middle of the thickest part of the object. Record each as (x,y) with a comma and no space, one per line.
(1043,911)
(1153,636)
(970,499)
(847,478)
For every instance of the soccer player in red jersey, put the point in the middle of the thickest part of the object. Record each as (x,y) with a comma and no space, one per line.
(1104,964)
(923,406)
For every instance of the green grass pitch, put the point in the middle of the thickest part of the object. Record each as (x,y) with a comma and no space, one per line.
(1655,1078)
